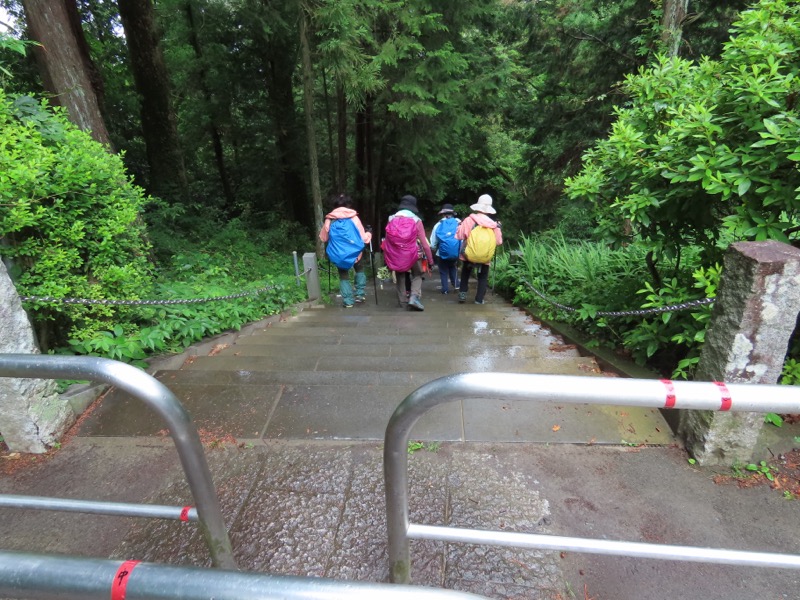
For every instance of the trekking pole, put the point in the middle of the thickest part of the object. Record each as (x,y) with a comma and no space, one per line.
(329,277)
(374,273)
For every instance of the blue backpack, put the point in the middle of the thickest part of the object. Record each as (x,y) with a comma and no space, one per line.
(344,243)
(447,243)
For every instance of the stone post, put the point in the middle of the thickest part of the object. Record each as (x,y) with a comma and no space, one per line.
(312,277)
(754,316)
(32,415)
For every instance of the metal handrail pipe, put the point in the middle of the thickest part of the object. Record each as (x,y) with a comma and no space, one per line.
(646,393)
(158,397)
(99,507)
(43,577)
(608,547)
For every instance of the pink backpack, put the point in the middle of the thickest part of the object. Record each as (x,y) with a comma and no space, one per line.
(400,244)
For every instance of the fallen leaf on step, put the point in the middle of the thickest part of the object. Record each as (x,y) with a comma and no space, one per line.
(556,427)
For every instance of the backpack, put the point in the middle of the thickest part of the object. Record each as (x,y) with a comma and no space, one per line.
(344,243)
(400,244)
(449,246)
(481,245)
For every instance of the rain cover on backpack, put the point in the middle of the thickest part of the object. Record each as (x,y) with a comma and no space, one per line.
(400,244)
(481,245)
(344,243)
(447,243)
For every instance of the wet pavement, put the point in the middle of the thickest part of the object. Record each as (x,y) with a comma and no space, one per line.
(293,411)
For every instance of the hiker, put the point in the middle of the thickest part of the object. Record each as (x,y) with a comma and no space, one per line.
(405,235)
(446,246)
(481,237)
(346,238)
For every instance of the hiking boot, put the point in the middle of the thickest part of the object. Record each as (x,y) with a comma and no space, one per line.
(361,299)
(462,297)
(348,305)
(479,302)
(414,303)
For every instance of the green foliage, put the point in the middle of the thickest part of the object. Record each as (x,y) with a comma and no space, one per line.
(705,152)
(231,262)
(593,278)
(69,217)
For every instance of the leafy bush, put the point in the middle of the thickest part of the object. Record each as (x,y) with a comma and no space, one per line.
(228,263)
(592,278)
(704,148)
(69,218)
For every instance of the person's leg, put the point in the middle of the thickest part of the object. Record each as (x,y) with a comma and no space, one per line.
(400,286)
(345,288)
(416,287)
(483,283)
(361,280)
(463,287)
(452,272)
(444,269)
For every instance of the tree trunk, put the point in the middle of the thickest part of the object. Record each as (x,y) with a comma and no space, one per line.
(64,62)
(308,103)
(213,129)
(335,186)
(361,153)
(159,125)
(341,119)
(672,24)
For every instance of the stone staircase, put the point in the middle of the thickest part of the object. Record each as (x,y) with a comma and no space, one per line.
(328,372)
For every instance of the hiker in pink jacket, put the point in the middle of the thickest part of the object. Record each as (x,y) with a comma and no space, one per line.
(479,218)
(344,210)
(405,236)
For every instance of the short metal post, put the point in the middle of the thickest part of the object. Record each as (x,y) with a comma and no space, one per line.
(296,268)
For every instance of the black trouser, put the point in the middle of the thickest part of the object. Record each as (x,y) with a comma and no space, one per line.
(483,279)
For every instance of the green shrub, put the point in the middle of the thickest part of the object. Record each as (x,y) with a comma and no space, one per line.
(69,219)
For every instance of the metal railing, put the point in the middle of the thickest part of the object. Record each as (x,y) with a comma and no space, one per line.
(647,393)
(42,576)
(157,396)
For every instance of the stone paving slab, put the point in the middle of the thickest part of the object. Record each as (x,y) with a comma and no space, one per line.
(301,508)
(430,329)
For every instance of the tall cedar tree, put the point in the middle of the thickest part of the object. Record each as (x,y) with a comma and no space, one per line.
(159,127)
(66,68)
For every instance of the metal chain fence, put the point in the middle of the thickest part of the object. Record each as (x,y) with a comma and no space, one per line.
(627,313)
(105,302)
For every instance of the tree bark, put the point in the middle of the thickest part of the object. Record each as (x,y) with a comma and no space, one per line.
(65,65)
(341,120)
(672,24)
(159,124)
(308,102)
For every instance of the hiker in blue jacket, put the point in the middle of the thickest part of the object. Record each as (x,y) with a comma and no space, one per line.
(349,257)
(446,246)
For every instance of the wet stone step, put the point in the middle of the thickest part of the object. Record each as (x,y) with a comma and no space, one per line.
(358,350)
(479,364)
(256,378)
(456,340)
(287,329)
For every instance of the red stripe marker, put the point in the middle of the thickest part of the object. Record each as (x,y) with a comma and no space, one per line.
(120,583)
(726,396)
(185,513)
(670,403)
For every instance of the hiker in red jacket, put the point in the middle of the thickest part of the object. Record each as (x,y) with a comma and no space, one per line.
(482,235)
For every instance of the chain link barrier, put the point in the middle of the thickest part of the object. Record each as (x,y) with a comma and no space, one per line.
(104,302)
(627,313)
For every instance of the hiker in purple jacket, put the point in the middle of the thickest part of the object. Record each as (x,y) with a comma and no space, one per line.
(405,235)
